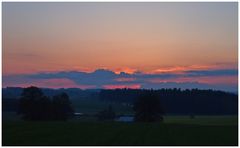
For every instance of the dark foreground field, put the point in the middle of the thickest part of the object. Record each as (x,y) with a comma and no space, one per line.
(175,131)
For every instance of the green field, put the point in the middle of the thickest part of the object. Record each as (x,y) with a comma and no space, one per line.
(215,130)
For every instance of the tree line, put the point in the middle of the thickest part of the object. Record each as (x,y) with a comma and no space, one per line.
(148,105)
(34,105)
(177,101)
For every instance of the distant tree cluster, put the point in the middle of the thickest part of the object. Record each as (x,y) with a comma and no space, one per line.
(34,105)
(148,108)
(182,102)
(107,114)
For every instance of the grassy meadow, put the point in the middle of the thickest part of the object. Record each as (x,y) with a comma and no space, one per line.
(175,130)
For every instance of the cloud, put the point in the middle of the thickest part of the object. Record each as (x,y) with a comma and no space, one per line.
(132,86)
(221,72)
(24,81)
(103,78)
(125,79)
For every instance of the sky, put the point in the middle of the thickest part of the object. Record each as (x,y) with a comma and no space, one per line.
(117,45)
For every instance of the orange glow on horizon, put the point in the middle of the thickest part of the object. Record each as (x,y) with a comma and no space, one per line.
(19,68)
(181,69)
(125,69)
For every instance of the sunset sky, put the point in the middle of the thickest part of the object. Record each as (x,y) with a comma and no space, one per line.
(88,45)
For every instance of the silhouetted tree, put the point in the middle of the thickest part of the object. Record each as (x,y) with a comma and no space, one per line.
(107,114)
(61,107)
(34,105)
(148,108)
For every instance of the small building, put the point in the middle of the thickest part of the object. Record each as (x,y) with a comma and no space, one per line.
(125,119)
(78,115)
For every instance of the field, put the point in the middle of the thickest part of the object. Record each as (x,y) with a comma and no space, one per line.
(205,130)
(94,106)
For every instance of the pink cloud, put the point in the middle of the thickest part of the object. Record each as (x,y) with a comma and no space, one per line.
(200,79)
(131,86)
(181,69)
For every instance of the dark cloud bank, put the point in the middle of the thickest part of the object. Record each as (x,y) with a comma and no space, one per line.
(102,77)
